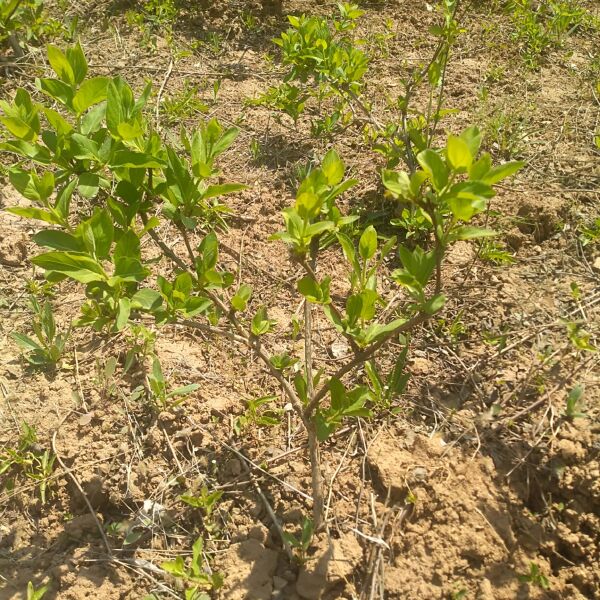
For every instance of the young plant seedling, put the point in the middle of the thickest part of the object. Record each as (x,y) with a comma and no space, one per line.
(192,574)
(161,396)
(48,346)
(30,460)
(206,501)
(258,412)
(535,577)
(574,405)
(36,594)
(128,180)
(302,543)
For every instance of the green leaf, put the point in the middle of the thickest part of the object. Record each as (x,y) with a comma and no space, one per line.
(123,312)
(333,167)
(239,302)
(472,137)
(25,342)
(501,172)
(260,322)
(119,102)
(102,229)
(58,240)
(308,205)
(465,208)
(58,122)
(76,59)
(184,390)
(128,269)
(324,429)
(146,299)
(92,91)
(398,183)
(374,377)
(92,120)
(225,141)
(376,331)
(459,154)
(32,212)
(319,227)
(313,291)
(19,128)
(337,392)
(367,246)
(28,184)
(469,233)
(60,65)
(33,594)
(434,167)
(130,130)
(89,184)
(209,251)
(79,267)
(213,191)
(59,90)
(63,200)
(348,250)
(139,160)
(481,167)
(434,304)
(175,567)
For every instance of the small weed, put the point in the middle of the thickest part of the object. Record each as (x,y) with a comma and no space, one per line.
(590,234)
(24,22)
(28,459)
(163,398)
(212,41)
(414,222)
(155,13)
(505,131)
(192,574)
(184,104)
(454,330)
(494,338)
(301,543)
(543,26)
(324,64)
(48,346)
(249,21)
(535,577)
(257,413)
(495,253)
(579,337)
(574,405)
(206,500)
(35,594)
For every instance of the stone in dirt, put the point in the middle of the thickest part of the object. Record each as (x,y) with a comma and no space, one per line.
(248,568)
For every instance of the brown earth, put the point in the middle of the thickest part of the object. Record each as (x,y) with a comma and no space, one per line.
(475,478)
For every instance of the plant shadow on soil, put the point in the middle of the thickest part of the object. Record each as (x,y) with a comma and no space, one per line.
(209,23)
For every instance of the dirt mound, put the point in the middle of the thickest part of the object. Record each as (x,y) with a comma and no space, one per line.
(463,529)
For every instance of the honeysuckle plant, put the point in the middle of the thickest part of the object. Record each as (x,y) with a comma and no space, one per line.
(100,181)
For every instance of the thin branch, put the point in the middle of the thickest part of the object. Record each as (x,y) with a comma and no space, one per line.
(168,252)
(364,356)
(310,271)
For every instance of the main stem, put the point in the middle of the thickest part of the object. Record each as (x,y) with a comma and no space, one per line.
(313,440)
